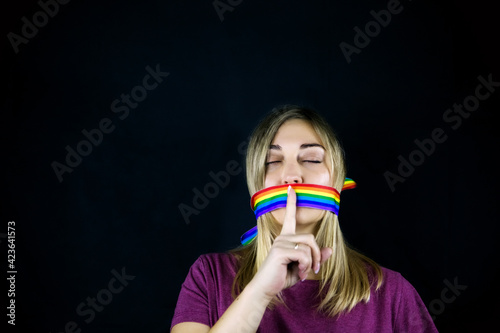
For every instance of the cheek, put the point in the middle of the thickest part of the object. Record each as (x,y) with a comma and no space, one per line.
(271,180)
(279,215)
(323,178)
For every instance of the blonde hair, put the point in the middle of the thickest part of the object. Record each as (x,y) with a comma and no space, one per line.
(344,277)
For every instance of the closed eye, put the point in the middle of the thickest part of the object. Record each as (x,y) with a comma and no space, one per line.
(311,161)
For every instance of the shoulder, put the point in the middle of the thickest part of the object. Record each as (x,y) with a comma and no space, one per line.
(395,290)
(392,277)
(216,264)
(395,280)
(394,284)
(217,258)
(391,280)
(409,311)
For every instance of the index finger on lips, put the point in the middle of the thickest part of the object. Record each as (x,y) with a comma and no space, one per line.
(290,210)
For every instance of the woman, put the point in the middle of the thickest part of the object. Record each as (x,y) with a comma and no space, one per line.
(298,274)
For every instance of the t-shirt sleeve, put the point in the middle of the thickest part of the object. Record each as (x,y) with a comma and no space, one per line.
(412,315)
(193,304)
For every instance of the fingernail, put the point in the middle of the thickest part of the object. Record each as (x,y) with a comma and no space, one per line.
(289,187)
(316,271)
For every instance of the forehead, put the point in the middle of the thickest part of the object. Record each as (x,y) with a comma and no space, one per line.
(296,131)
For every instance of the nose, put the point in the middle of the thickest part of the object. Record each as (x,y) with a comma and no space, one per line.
(292,174)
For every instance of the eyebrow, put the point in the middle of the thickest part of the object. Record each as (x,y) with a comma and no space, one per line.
(302,146)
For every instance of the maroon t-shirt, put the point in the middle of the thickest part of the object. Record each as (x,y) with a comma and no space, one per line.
(395,307)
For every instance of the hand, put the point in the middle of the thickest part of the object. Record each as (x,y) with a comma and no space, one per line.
(285,264)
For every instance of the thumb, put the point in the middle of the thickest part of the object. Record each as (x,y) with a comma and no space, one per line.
(326,253)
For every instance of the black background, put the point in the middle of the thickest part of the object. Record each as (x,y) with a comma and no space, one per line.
(119,208)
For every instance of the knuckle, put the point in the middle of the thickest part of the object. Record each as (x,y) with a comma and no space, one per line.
(306,259)
(280,239)
(306,248)
(311,238)
(276,252)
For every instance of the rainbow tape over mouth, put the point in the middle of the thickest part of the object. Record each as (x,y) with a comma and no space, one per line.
(308,195)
